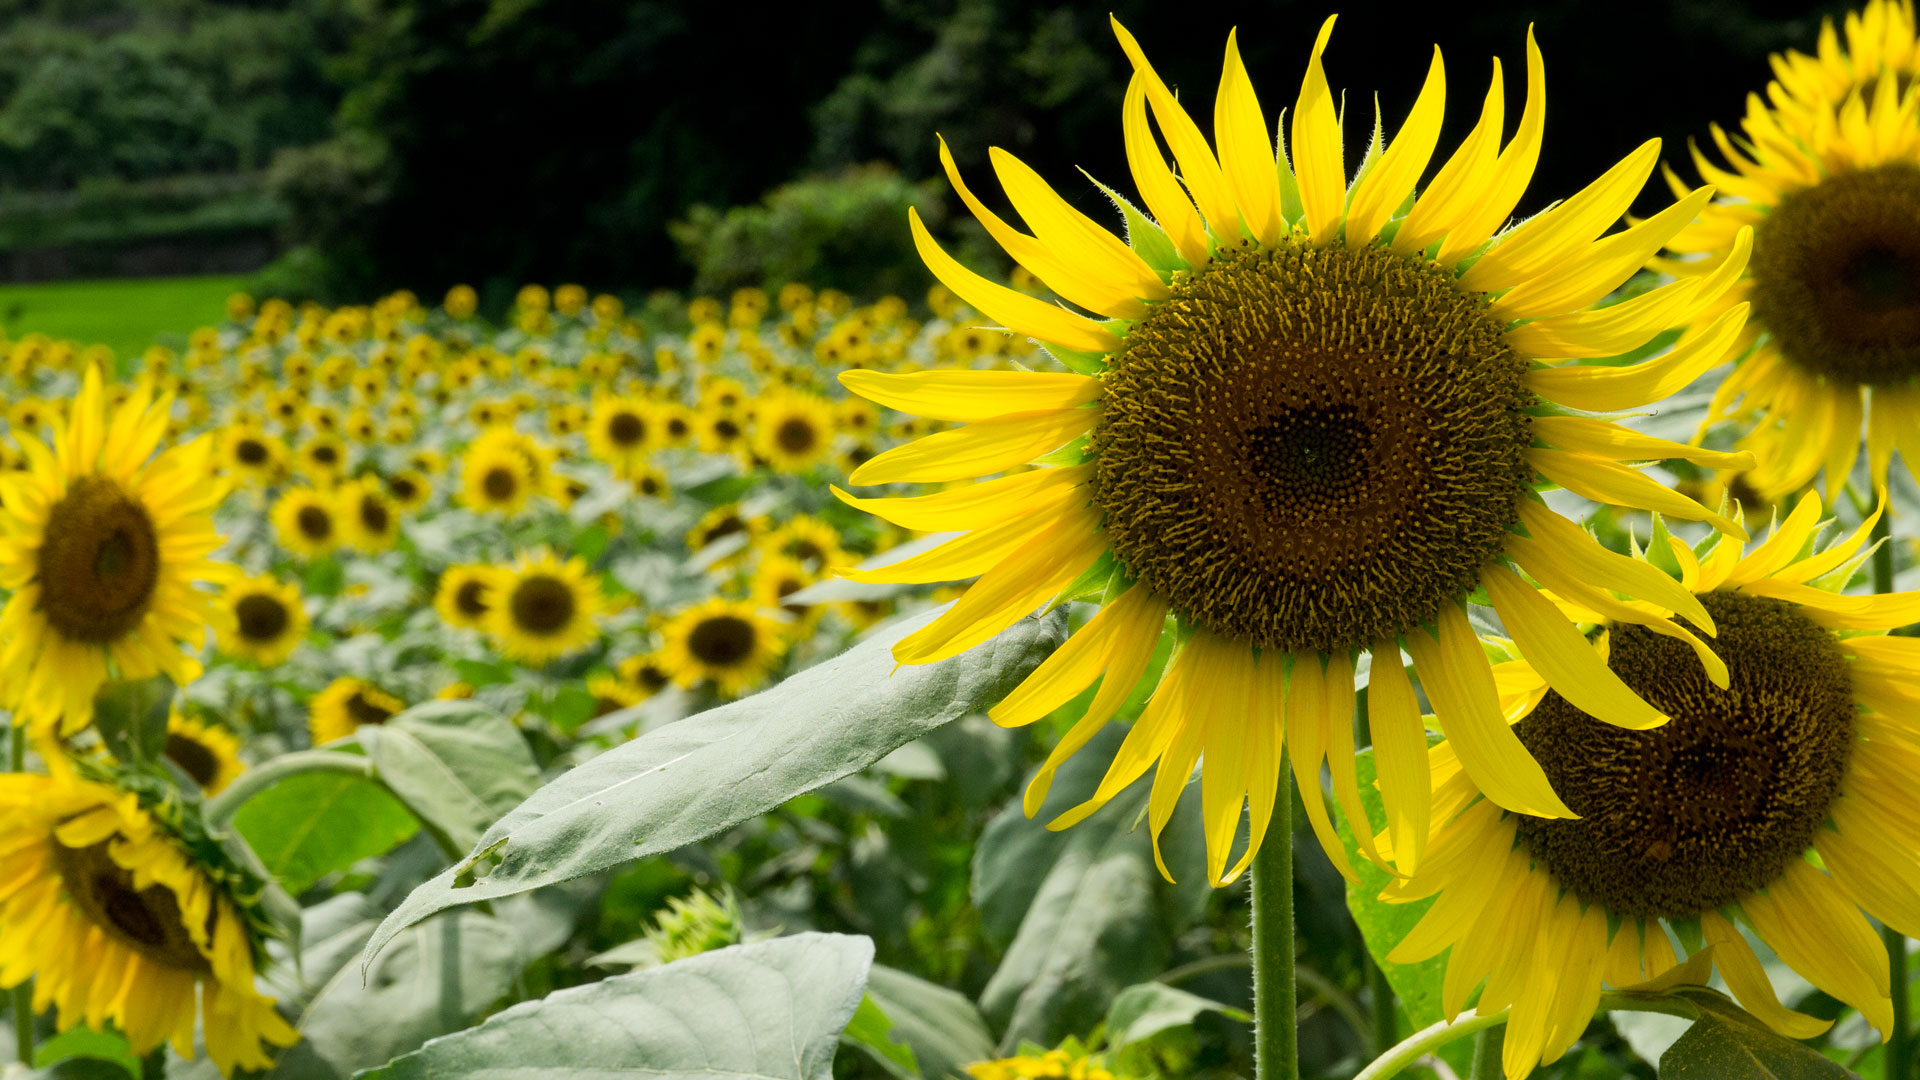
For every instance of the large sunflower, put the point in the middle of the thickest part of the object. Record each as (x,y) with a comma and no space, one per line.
(104,907)
(541,609)
(265,620)
(1309,426)
(727,642)
(103,545)
(1829,182)
(1782,801)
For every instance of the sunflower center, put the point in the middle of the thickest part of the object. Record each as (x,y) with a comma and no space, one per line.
(374,516)
(721,641)
(194,759)
(542,605)
(1836,276)
(1709,807)
(99,563)
(726,429)
(326,455)
(250,452)
(403,487)
(148,920)
(499,484)
(365,711)
(1312,448)
(796,436)
(626,429)
(261,618)
(315,523)
(470,598)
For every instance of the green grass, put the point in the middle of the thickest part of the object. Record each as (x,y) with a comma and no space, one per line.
(124,314)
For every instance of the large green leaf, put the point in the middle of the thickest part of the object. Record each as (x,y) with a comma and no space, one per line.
(689,780)
(1146,1010)
(772,1010)
(942,1027)
(1094,914)
(1383,925)
(312,824)
(1723,1047)
(457,764)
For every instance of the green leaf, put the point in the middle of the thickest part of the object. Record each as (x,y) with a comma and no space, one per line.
(323,577)
(942,1027)
(313,824)
(1093,912)
(773,1010)
(1146,1010)
(457,764)
(1717,1047)
(871,1030)
(1383,925)
(132,717)
(84,1042)
(689,780)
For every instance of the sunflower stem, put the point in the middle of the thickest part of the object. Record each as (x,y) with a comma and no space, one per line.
(1900,1039)
(1427,1040)
(22,1004)
(1276,1052)
(1486,1053)
(218,811)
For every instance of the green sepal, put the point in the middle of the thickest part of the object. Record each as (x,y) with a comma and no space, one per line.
(1148,240)
(1660,552)
(1085,363)
(1074,453)
(1291,208)
(1095,583)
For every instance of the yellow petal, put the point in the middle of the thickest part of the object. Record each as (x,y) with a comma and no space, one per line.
(1387,185)
(980,448)
(1599,438)
(960,394)
(974,506)
(1197,165)
(1164,196)
(1610,331)
(1562,656)
(1400,756)
(1126,661)
(1073,667)
(1315,148)
(977,552)
(1075,237)
(1507,180)
(1448,197)
(1307,719)
(1749,982)
(1020,312)
(1534,247)
(1600,268)
(1610,482)
(1246,150)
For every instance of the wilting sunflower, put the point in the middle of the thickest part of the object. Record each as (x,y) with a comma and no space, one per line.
(306,521)
(117,923)
(495,477)
(622,431)
(461,598)
(265,620)
(252,454)
(369,520)
(725,641)
(103,544)
(209,755)
(1309,426)
(792,431)
(1829,182)
(540,608)
(347,705)
(1782,801)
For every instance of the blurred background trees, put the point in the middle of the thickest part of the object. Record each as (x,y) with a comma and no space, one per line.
(354,146)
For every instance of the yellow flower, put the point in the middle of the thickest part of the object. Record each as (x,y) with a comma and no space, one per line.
(611,694)
(622,431)
(647,674)
(1779,797)
(251,454)
(307,522)
(1307,423)
(727,642)
(209,755)
(461,302)
(347,705)
(265,620)
(103,544)
(541,609)
(410,489)
(792,431)
(461,598)
(1829,182)
(809,541)
(495,476)
(116,923)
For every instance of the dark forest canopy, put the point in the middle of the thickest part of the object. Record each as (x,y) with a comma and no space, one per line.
(422,142)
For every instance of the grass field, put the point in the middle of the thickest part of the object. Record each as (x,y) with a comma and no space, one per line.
(124,314)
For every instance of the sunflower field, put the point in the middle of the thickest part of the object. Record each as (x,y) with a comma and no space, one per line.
(1306,624)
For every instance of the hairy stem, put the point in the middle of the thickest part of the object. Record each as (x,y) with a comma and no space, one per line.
(1275,1036)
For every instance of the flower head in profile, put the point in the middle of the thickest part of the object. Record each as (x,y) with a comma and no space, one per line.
(1778,802)
(1307,420)
(1826,175)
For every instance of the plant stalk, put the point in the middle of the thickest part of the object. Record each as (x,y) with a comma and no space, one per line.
(1427,1040)
(1486,1053)
(219,810)
(1276,1051)
(1900,1039)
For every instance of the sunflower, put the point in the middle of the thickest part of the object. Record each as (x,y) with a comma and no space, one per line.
(266,620)
(209,755)
(306,521)
(726,641)
(1829,182)
(720,431)
(102,544)
(808,540)
(793,431)
(778,577)
(495,477)
(540,609)
(611,694)
(622,431)
(324,459)
(118,923)
(1778,798)
(368,518)
(721,522)
(410,489)
(28,415)
(251,454)
(1308,426)
(646,673)
(650,481)
(348,704)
